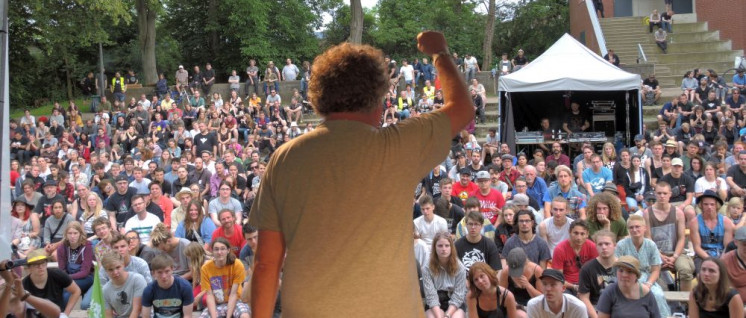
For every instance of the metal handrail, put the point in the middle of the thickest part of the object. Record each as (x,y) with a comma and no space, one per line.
(596,27)
(641,54)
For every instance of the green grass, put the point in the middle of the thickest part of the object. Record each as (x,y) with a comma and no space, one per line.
(46,109)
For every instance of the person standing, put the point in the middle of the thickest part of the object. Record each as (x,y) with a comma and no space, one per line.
(335,93)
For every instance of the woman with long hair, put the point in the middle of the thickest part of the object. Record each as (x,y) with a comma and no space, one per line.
(92,209)
(506,227)
(608,156)
(636,184)
(221,279)
(197,225)
(486,299)
(605,213)
(75,257)
(729,131)
(696,170)
(713,296)
(30,227)
(710,181)
(709,131)
(197,257)
(53,234)
(735,212)
(522,162)
(444,279)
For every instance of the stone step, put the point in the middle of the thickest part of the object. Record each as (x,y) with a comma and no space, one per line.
(683,37)
(631,49)
(681,68)
(630,27)
(723,56)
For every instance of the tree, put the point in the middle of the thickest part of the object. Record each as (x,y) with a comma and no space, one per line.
(356,22)
(146,16)
(338,29)
(489,34)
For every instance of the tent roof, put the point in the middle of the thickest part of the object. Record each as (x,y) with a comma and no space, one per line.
(569,65)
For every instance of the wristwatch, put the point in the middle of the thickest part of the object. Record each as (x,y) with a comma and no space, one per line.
(25,296)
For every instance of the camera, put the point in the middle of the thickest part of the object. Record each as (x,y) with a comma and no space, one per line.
(10,264)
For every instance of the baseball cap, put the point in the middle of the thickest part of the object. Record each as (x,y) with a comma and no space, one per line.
(520,199)
(465,171)
(481,175)
(677,162)
(50,183)
(553,273)
(639,138)
(650,196)
(459,154)
(181,67)
(516,260)
(506,156)
(741,234)
(121,178)
(37,256)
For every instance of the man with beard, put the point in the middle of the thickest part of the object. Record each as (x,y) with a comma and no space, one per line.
(535,247)
(558,156)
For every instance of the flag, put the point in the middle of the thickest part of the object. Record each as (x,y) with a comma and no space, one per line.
(96,310)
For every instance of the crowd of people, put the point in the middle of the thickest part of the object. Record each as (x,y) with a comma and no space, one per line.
(158,194)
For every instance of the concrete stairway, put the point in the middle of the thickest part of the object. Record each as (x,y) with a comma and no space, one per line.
(692,45)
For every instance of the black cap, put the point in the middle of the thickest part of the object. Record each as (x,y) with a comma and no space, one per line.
(50,183)
(553,273)
(22,200)
(459,154)
(120,178)
(465,171)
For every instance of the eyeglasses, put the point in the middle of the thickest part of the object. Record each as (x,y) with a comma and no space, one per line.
(473,224)
(578,262)
(525,221)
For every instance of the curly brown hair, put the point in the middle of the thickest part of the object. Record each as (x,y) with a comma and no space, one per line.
(615,208)
(348,78)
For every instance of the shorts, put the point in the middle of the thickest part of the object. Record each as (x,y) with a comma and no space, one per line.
(222,309)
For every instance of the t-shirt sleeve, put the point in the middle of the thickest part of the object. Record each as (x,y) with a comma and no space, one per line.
(605,301)
(558,259)
(204,279)
(427,137)
(544,252)
(61,278)
(139,286)
(585,280)
(147,295)
(187,297)
(494,260)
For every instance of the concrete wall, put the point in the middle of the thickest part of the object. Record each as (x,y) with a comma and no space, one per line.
(580,23)
(286,88)
(641,69)
(728,16)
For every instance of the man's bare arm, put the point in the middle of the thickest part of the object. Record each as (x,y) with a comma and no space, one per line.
(458,105)
(270,255)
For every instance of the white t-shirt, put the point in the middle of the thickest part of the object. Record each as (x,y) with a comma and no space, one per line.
(702,184)
(408,72)
(427,230)
(142,227)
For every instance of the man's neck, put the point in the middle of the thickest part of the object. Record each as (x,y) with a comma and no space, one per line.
(474,239)
(556,306)
(565,188)
(528,236)
(662,206)
(370,118)
(428,217)
(559,221)
(142,215)
(228,230)
(606,262)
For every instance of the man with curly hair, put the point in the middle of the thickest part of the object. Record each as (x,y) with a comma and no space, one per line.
(306,186)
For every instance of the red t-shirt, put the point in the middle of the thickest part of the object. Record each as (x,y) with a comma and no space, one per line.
(237,241)
(493,199)
(564,259)
(463,192)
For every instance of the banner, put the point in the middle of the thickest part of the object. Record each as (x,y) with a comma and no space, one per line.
(96,310)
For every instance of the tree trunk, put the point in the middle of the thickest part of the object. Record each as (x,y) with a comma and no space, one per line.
(212,22)
(356,22)
(489,34)
(68,77)
(146,15)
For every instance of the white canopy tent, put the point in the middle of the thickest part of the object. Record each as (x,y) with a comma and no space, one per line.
(567,68)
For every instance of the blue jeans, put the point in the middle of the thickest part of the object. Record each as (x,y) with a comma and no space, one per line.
(404,114)
(632,204)
(277,88)
(85,289)
(244,132)
(666,26)
(119,96)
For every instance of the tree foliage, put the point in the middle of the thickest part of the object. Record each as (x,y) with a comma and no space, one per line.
(54,43)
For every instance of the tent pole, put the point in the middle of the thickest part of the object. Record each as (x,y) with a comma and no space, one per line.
(499,122)
(626,102)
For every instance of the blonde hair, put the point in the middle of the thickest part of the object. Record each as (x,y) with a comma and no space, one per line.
(89,211)
(111,258)
(196,255)
(638,218)
(160,235)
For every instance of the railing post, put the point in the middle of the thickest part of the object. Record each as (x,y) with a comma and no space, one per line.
(596,27)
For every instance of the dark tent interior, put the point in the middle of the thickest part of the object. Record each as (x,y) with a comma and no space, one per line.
(530,107)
